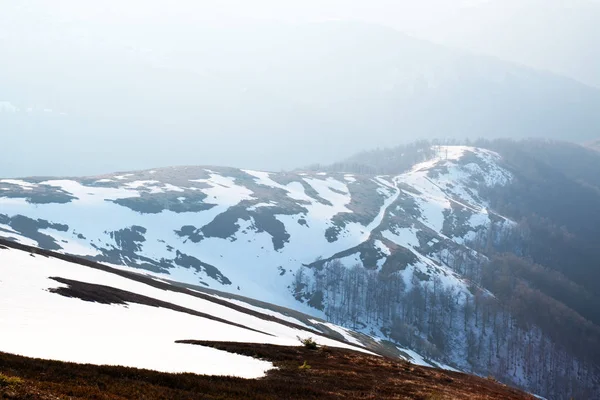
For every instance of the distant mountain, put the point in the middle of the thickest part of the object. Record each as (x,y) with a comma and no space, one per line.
(417,256)
(595,144)
(244,96)
(200,224)
(558,41)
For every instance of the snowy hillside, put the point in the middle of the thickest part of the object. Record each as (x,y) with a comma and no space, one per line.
(73,328)
(92,314)
(248,232)
(403,261)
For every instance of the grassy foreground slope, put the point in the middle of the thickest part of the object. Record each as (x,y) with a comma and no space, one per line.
(333,374)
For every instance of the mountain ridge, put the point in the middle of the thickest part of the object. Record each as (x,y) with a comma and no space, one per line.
(414,257)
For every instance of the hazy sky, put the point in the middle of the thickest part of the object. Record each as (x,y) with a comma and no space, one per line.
(83,73)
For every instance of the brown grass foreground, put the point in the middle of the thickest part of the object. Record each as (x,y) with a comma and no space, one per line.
(333,374)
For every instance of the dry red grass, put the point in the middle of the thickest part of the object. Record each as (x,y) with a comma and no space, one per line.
(334,374)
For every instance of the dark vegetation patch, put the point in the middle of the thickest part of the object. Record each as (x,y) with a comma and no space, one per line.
(287,178)
(129,239)
(30,228)
(129,242)
(436,171)
(334,374)
(423,277)
(192,262)
(110,295)
(429,241)
(406,206)
(369,255)
(190,232)
(456,220)
(407,188)
(179,202)
(265,221)
(334,190)
(178,176)
(225,225)
(316,300)
(398,260)
(470,157)
(388,161)
(402,213)
(39,194)
(365,204)
(119,257)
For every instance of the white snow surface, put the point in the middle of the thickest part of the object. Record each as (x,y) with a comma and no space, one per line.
(8,107)
(248,258)
(38,323)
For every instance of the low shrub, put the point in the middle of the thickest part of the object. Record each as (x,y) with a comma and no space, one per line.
(6,381)
(309,343)
(304,366)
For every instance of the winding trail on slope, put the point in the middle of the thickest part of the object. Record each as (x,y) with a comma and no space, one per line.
(378,219)
(387,204)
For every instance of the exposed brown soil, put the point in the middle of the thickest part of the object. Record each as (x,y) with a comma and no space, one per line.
(333,374)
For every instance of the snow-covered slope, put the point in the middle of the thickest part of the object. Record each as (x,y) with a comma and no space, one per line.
(248,232)
(55,309)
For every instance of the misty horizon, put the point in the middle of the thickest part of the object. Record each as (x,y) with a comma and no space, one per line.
(311,199)
(92,88)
